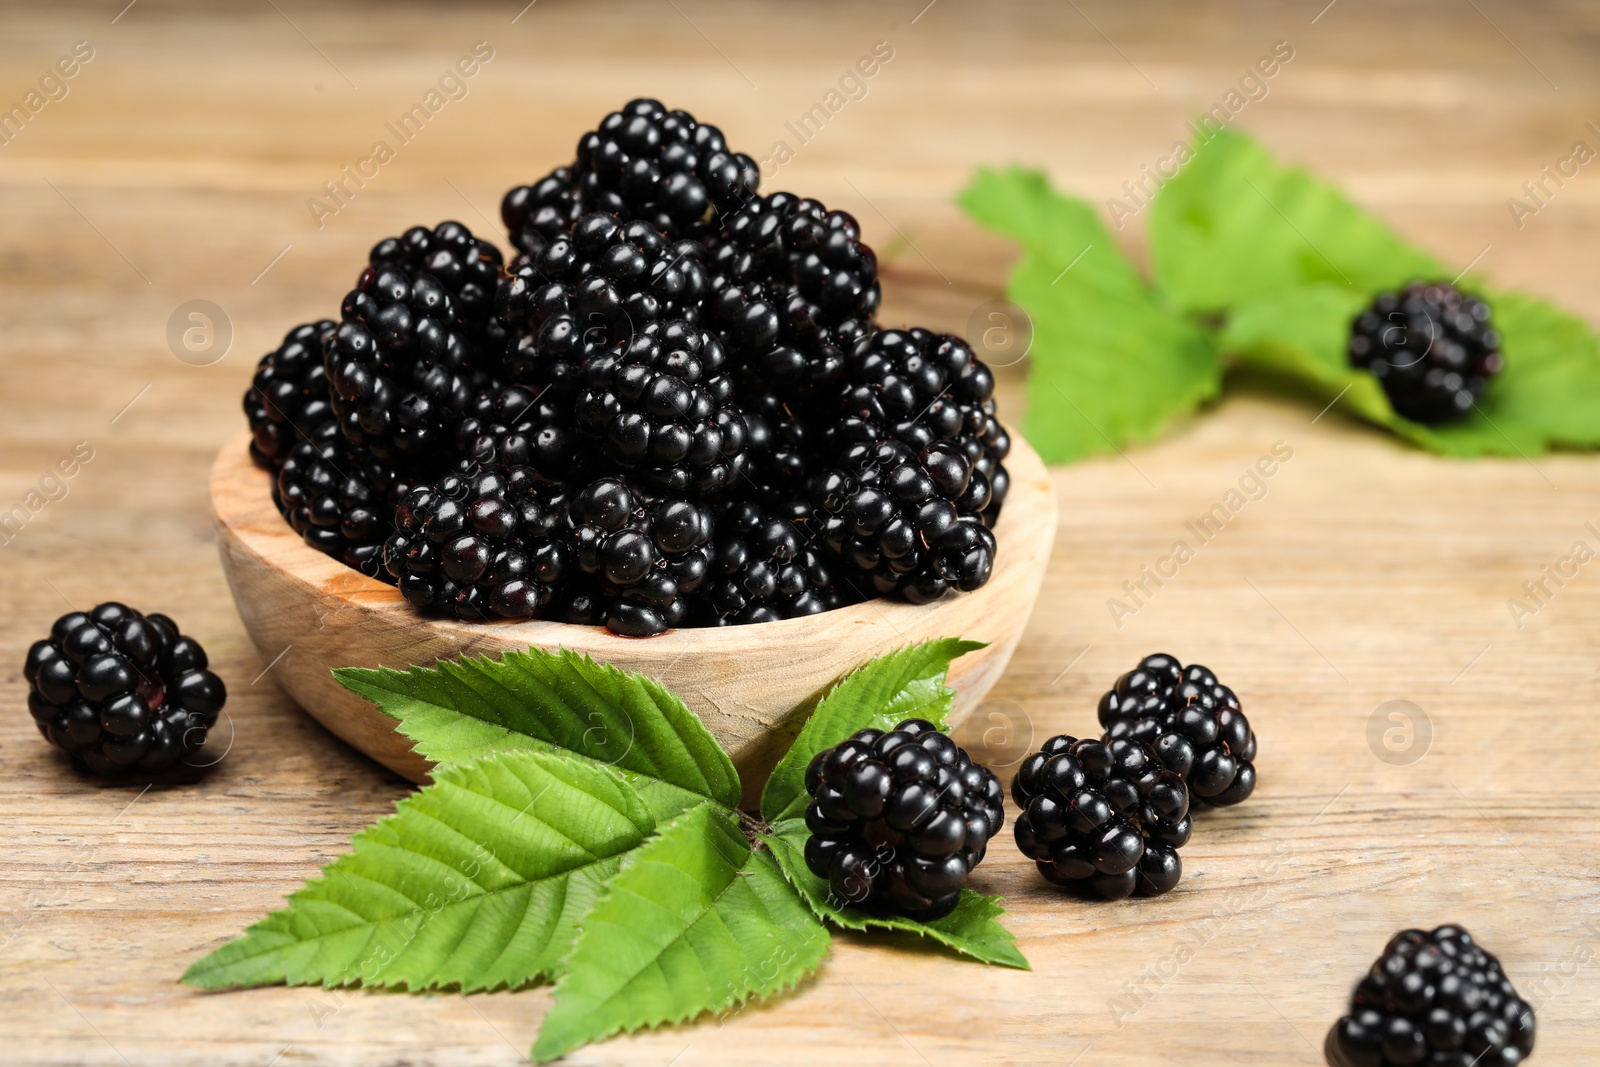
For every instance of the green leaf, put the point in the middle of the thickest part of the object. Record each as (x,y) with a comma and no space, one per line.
(477,881)
(694,922)
(1234,226)
(907,684)
(1111,362)
(556,702)
(972,929)
(1548,395)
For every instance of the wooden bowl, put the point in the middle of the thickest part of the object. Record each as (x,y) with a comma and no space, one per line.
(751,685)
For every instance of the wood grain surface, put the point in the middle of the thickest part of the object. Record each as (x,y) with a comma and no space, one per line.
(177,167)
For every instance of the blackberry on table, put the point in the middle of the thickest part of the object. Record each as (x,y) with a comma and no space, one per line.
(1431,348)
(1433,998)
(122,692)
(1103,817)
(909,522)
(592,291)
(486,545)
(763,570)
(1194,723)
(288,400)
(898,820)
(644,556)
(339,506)
(661,408)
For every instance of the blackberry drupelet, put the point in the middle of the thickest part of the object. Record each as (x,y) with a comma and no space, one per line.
(511,426)
(592,291)
(490,544)
(763,570)
(644,557)
(1431,348)
(899,819)
(340,506)
(539,213)
(1194,723)
(288,399)
(909,522)
(122,692)
(1437,999)
(660,407)
(645,162)
(1102,816)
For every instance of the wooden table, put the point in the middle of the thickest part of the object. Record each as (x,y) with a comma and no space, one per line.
(178,168)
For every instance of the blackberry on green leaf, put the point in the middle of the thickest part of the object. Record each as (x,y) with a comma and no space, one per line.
(1431,348)
(122,692)
(644,555)
(288,400)
(1433,998)
(898,820)
(1194,723)
(487,545)
(1102,817)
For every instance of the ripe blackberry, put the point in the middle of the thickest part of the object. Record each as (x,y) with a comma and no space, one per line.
(645,162)
(909,522)
(122,692)
(763,570)
(340,506)
(899,819)
(660,407)
(644,557)
(485,545)
(1433,998)
(781,454)
(794,292)
(288,400)
(469,268)
(917,387)
(539,213)
(511,426)
(1431,348)
(1102,816)
(592,291)
(1194,723)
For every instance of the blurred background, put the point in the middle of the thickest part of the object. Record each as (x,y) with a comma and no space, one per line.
(184,196)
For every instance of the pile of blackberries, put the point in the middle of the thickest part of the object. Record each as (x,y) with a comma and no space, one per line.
(1108,816)
(898,819)
(1431,347)
(673,408)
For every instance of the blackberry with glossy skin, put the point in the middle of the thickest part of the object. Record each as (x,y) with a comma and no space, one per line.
(794,292)
(288,399)
(341,507)
(537,214)
(121,692)
(909,522)
(660,407)
(512,426)
(644,556)
(645,162)
(763,570)
(899,819)
(482,546)
(592,291)
(469,268)
(1431,348)
(1433,998)
(1194,723)
(1102,817)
